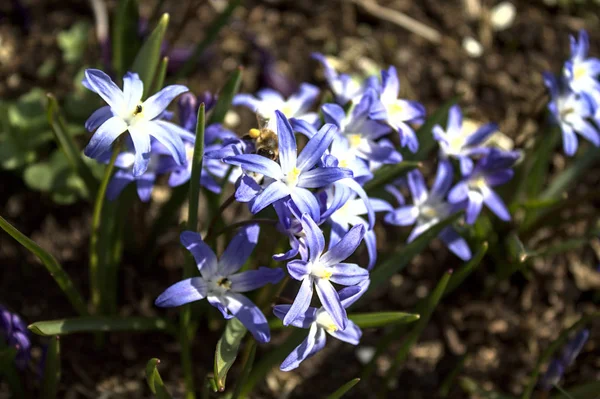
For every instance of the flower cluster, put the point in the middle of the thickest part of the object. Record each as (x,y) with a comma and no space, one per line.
(308,168)
(15,335)
(575,96)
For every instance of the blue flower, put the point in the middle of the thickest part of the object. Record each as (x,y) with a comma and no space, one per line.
(429,208)
(320,323)
(571,112)
(294,174)
(580,70)
(558,365)
(16,335)
(344,209)
(345,87)
(396,112)
(267,101)
(126,112)
(454,143)
(221,285)
(476,188)
(359,133)
(322,269)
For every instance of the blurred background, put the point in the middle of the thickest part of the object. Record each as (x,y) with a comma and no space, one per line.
(491,53)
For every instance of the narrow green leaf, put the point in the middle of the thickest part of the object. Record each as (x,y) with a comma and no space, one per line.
(225,97)
(554,346)
(52,369)
(450,380)
(426,310)
(147,59)
(398,260)
(245,371)
(54,268)
(424,132)
(159,80)
(535,178)
(68,146)
(197,158)
(210,35)
(99,323)
(584,391)
(227,350)
(380,319)
(155,382)
(341,391)
(388,173)
(125,38)
(459,276)
(571,175)
(273,358)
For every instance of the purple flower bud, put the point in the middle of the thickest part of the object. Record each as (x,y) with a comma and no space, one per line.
(16,335)
(552,376)
(188,111)
(573,347)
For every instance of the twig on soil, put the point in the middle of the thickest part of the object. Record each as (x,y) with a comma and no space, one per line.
(400,19)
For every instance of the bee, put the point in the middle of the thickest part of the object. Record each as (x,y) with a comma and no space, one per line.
(265,140)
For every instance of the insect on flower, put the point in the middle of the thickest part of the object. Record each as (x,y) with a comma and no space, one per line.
(264,139)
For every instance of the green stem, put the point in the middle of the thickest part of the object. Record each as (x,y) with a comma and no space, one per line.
(196,172)
(96,273)
(54,268)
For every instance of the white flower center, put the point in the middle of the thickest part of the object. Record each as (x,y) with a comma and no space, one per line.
(324,320)
(218,285)
(318,270)
(478,183)
(291,179)
(132,116)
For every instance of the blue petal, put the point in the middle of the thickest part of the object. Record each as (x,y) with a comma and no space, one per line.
(495,203)
(157,103)
(274,192)
(303,321)
(117,183)
(247,189)
(370,203)
(239,249)
(256,163)
(403,216)
(466,165)
(217,302)
(306,202)
(349,295)
(314,342)
(145,183)
(371,243)
(314,237)
(333,113)
(133,89)
(351,334)
(303,127)
(320,177)
(253,279)
(205,258)
(499,177)
(417,187)
(347,273)
(179,176)
(185,291)
(474,206)
(287,143)
(459,192)
(454,125)
(106,134)
(331,303)
(162,132)
(98,117)
(301,302)
(481,134)
(455,243)
(316,146)
(298,269)
(102,84)
(345,247)
(250,316)
(443,179)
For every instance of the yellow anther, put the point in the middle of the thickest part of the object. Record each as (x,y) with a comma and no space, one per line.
(254,133)
(354,140)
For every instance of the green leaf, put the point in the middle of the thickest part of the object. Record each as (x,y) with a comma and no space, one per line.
(225,97)
(68,146)
(99,323)
(388,173)
(54,268)
(571,175)
(8,370)
(459,276)
(424,132)
(341,391)
(159,80)
(73,41)
(554,346)
(398,260)
(245,371)
(155,382)
(380,319)
(125,38)
(584,391)
(210,35)
(27,113)
(147,59)
(535,178)
(195,176)
(52,369)
(227,350)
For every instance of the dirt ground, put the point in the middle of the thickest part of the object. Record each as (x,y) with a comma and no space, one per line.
(501,327)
